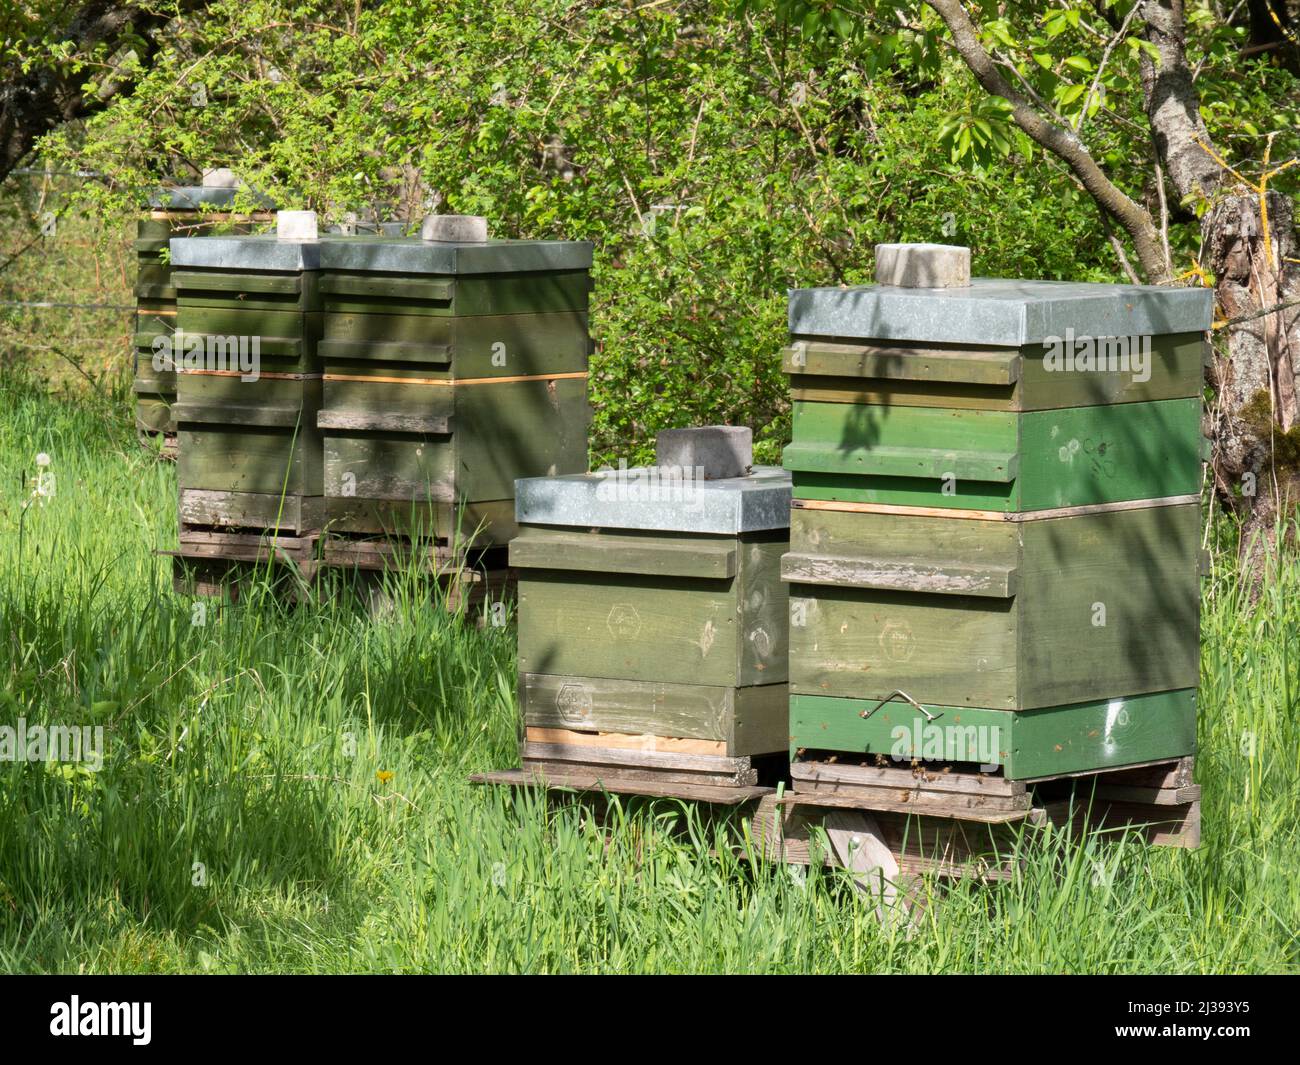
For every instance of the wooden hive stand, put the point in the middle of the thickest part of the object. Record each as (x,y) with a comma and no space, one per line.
(892,824)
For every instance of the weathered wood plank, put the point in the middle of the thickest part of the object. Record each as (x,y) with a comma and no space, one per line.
(234,282)
(998,467)
(906,778)
(553,291)
(747,721)
(395,422)
(694,711)
(251,510)
(995,582)
(940,803)
(622,741)
(613,784)
(1149,796)
(379,465)
(651,555)
(388,285)
(971,366)
(1160,826)
(636,759)
(957,809)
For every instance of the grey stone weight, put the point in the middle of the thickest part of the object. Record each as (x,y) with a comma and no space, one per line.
(923,265)
(455,228)
(220,177)
(998,312)
(639,498)
(720,451)
(296,225)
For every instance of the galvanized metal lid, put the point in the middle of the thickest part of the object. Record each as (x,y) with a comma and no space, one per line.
(998,312)
(642,498)
(198,198)
(410,255)
(260,252)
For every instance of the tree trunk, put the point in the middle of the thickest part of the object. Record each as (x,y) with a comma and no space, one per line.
(1256,419)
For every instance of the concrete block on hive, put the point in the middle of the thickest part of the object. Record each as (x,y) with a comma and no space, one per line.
(717,451)
(923,265)
(455,228)
(296,225)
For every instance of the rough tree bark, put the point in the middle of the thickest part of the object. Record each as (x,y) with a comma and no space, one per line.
(1254,423)
(1247,240)
(36,101)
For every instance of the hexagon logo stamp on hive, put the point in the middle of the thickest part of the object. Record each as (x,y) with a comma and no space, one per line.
(573,701)
(896,641)
(624,622)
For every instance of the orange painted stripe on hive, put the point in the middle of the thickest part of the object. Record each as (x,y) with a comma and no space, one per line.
(446,383)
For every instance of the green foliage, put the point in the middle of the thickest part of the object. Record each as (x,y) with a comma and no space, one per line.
(715,158)
(716,154)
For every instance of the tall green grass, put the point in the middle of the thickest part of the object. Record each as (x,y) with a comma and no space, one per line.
(285,788)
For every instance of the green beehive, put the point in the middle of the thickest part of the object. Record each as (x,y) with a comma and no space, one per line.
(172,212)
(994,553)
(249,378)
(453,365)
(651,612)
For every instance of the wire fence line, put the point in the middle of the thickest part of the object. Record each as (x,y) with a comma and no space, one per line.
(51,305)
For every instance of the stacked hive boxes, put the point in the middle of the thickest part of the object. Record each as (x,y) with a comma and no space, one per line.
(453,365)
(652,620)
(249,379)
(173,212)
(995,535)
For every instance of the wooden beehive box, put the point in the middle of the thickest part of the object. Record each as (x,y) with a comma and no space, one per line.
(172,212)
(992,561)
(651,622)
(956,398)
(250,452)
(451,368)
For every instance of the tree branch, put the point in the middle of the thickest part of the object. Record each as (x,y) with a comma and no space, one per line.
(36,101)
(1132,217)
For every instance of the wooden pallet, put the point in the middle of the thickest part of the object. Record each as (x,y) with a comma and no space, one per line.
(664,767)
(1160,801)
(965,796)
(917,842)
(216,561)
(471,577)
(1157,798)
